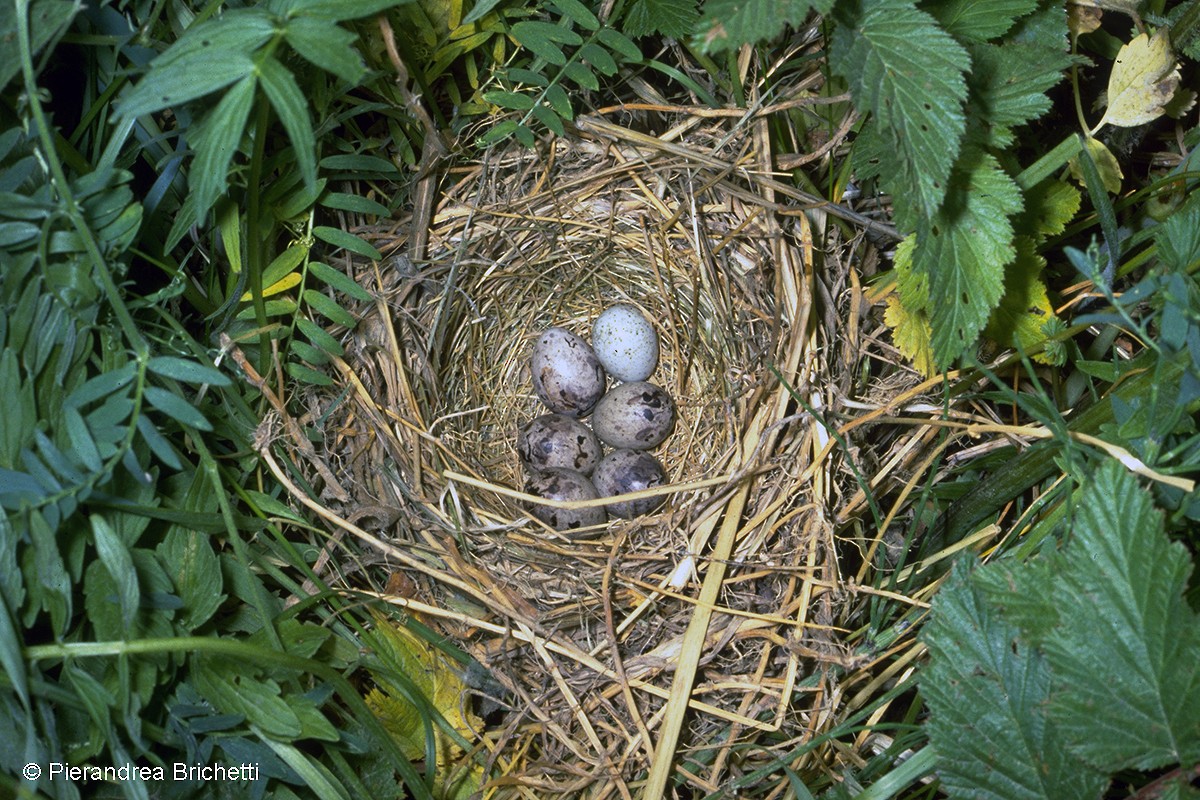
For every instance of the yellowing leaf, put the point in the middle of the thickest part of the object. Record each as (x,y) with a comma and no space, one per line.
(1144,78)
(1083,17)
(281,285)
(1106,165)
(436,677)
(1024,313)
(911,334)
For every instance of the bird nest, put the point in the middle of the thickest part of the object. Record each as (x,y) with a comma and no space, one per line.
(656,650)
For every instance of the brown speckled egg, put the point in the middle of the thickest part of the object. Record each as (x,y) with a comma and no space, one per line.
(567,376)
(556,440)
(624,471)
(636,415)
(557,483)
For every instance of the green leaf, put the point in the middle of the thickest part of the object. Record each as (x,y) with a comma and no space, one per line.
(327,46)
(599,58)
(354,203)
(547,117)
(195,570)
(234,688)
(581,75)
(308,375)
(619,43)
(236,32)
(512,100)
(306,352)
(114,555)
(961,253)
(329,309)
(289,103)
(544,38)
(479,11)
(908,73)
(1126,657)
(319,336)
(338,10)
(48,581)
(188,371)
(339,281)
(177,408)
(1178,238)
(557,97)
(1021,319)
(501,130)
(1008,85)
(578,13)
(184,79)
(47,21)
(346,241)
(987,691)
(81,439)
(158,443)
(216,138)
(1049,207)
(979,21)
(727,23)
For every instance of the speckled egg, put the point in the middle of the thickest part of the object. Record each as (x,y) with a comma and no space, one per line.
(557,483)
(636,415)
(556,440)
(567,376)
(625,343)
(625,471)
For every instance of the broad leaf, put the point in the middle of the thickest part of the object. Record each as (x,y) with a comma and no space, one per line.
(987,691)
(1143,80)
(1008,85)
(1049,207)
(666,17)
(338,10)
(1108,169)
(962,252)
(1025,313)
(329,47)
(289,103)
(979,20)
(114,554)
(732,23)
(1126,657)
(908,73)
(185,79)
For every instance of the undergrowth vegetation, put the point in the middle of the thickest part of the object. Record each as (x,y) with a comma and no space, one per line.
(178,185)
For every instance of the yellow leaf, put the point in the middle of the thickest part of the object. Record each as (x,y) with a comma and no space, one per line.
(1106,165)
(911,334)
(436,677)
(1144,78)
(1083,17)
(281,285)
(1024,313)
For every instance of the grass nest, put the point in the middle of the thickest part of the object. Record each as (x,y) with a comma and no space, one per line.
(703,647)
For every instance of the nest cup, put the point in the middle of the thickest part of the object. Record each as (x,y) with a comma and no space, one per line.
(436,385)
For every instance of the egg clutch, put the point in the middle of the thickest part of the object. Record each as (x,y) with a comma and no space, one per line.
(563,458)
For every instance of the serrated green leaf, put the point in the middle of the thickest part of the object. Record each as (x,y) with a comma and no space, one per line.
(288,101)
(908,73)
(619,43)
(978,21)
(1126,657)
(235,689)
(327,46)
(188,371)
(114,555)
(183,80)
(1008,85)
(328,308)
(195,570)
(578,13)
(239,31)
(599,58)
(1178,238)
(987,691)
(339,280)
(216,138)
(339,10)
(962,252)
(726,24)
(346,241)
(1049,207)
(511,100)
(177,408)
(580,74)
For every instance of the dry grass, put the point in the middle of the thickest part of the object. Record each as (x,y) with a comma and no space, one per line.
(721,635)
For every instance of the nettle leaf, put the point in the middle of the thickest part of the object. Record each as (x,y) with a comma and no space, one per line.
(288,101)
(908,73)
(667,17)
(327,46)
(1025,312)
(1009,83)
(1126,657)
(987,689)
(979,21)
(962,252)
(1143,80)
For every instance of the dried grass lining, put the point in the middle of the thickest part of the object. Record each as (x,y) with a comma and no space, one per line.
(696,625)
